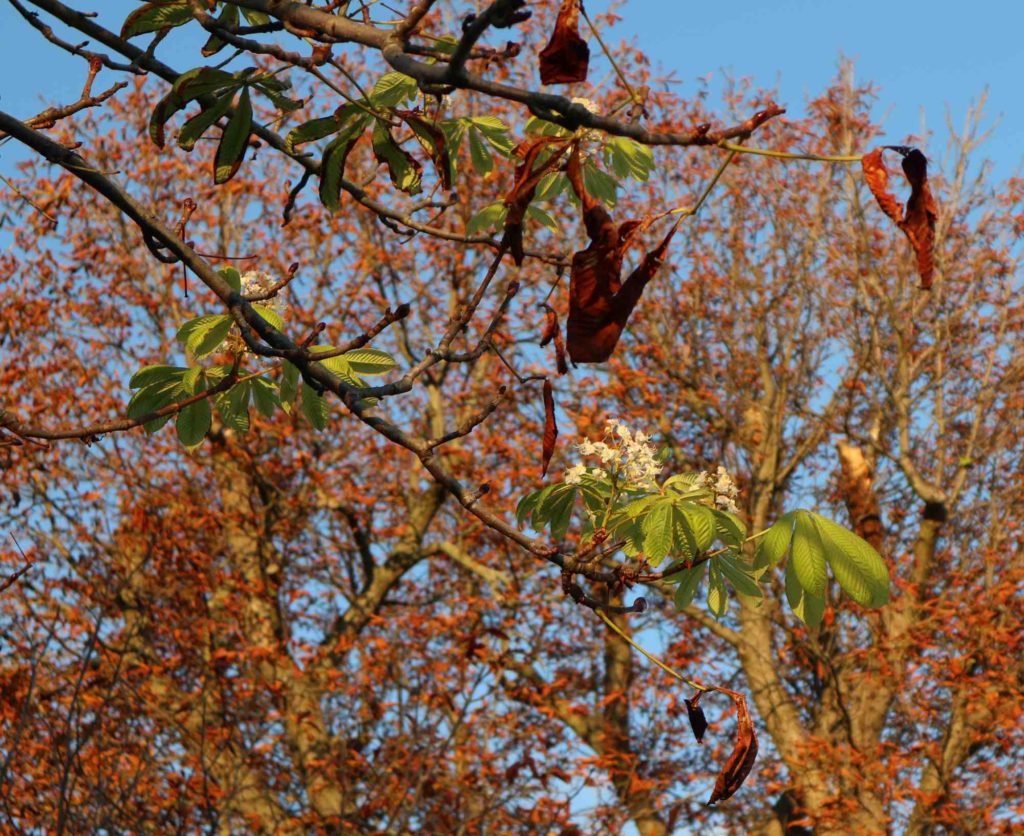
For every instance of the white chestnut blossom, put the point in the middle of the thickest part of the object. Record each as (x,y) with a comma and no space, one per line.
(624,455)
(255,282)
(725,491)
(574,475)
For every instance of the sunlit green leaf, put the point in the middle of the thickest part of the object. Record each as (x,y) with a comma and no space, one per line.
(152,17)
(193,423)
(234,140)
(488,218)
(149,375)
(314,407)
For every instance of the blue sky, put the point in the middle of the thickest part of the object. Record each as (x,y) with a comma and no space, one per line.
(956,52)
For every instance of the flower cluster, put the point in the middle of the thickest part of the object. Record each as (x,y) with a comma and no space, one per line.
(623,453)
(255,282)
(721,486)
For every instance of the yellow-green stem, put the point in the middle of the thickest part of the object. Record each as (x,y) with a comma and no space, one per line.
(670,671)
(787,155)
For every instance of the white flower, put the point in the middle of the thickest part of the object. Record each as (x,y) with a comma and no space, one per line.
(589,105)
(598,473)
(255,282)
(586,447)
(724,483)
(726,504)
(575,474)
(605,453)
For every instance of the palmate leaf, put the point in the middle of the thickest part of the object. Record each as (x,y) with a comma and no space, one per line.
(228,19)
(152,17)
(689,582)
(264,396)
(859,569)
(657,528)
(234,140)
(718,595)
(233,406)
(738,575)
(315,407)
(393,89)
(193,423)
(813,542)
(628,158)
(289,388)
(807,556)
(148,375)
(483,162)
(155,396)
(487,219)
(808,607)
(369,361)
(403,168)
(188,87)
(204,334)
(199,124)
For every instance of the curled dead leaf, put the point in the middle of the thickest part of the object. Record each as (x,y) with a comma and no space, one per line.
(528,176)
(566,56)
(599,302)
(695,714)
(743,755)
(553,331)
(917,221)
(550,427)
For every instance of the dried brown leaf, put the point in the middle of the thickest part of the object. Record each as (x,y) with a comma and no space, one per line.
(564,60)
(550,427)
(528,175)
(876,175)
(695,714)
(553,331)
(743,755)
(918,220)
(599,302)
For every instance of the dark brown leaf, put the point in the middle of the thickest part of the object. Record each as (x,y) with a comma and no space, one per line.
(599,302)
(550,325)
(918,220)
(553,331)
(565,58)
(698,722)
(528,175)
(550,427)
(744,752)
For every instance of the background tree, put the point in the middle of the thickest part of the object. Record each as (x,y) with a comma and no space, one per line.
(283,629)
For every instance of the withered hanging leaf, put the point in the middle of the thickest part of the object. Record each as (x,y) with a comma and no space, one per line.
(599,302)
(918,221)
(698,722)
(744,752)
(565,58)
(553,331)
(550,427)
(550,325)
(528,174)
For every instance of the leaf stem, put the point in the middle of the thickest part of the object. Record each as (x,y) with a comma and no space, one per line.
(686,211)
(787,155)
(635,97)
(670,671)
